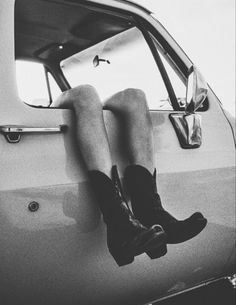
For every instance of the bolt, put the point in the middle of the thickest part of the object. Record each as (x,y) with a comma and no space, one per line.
(33,206)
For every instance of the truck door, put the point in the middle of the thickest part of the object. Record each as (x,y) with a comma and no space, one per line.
(53,240)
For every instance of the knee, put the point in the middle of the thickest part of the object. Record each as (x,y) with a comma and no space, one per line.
(129,101)
(83,97)
(134,99)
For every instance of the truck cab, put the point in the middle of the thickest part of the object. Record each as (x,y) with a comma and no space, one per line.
(53,238)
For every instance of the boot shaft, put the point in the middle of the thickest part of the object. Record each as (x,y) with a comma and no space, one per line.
(141,184)
(111,200)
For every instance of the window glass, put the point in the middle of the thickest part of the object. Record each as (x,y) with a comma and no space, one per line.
(123,61)
(177,84)
(32,85)
(55,90)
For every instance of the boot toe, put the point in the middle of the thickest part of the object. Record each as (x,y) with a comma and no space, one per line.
(182,231)
(196,215)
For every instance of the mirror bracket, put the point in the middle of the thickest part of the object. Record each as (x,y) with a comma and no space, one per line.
(188,129)
(197,90)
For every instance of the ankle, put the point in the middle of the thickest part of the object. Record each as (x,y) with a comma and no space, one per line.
(106,170)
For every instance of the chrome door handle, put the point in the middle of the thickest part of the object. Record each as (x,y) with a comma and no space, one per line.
(13,132)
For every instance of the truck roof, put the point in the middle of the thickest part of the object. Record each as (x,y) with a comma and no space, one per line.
(135,4)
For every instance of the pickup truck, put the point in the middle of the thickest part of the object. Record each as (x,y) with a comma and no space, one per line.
(53,240)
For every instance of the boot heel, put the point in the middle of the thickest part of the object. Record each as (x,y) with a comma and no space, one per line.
(122,259)
(157,252)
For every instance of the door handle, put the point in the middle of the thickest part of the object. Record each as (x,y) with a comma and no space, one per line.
(13,133)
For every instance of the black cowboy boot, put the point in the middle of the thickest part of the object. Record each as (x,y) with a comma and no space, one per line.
(147,207)
(126,237)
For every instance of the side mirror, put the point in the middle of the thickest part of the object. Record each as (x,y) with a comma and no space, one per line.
(197,89)
(188,126)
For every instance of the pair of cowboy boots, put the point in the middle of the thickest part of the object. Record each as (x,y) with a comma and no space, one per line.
(149,227)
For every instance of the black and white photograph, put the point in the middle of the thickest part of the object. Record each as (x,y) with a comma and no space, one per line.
(117,152)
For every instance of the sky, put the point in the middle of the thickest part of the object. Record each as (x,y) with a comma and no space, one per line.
(205,29)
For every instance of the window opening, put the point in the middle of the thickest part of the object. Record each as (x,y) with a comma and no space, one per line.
(36,85)
(127,62)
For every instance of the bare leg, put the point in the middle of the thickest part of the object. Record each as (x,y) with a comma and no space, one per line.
(91,133)
(126,237)
(132,107)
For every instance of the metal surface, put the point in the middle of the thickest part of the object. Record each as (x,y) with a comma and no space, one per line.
(60,251)
(188,129)
(33,206)
(13,133)
(197,90)
(6,129)
(232,280)
(58,255)
(214,291)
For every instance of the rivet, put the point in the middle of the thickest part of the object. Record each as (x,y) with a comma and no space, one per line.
(33,206)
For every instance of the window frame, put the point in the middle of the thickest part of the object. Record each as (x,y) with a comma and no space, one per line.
(171,57)
(146,28)
(161,68)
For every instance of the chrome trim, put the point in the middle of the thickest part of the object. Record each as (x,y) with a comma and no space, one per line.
(23,129)
(197,90)
(232,280)
(13,133)
(135,4)
(206,283)
(188,129)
